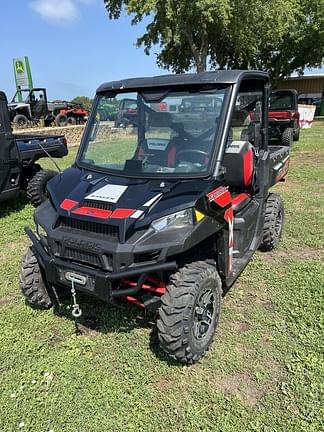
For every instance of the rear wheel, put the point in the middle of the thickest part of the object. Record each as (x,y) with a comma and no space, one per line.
(61,120)
(71,121)
(190,311)
(287,137)
(36,188)
(273,223)
(21,121)
(31,282)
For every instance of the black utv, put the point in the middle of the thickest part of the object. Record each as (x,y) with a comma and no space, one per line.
(168,217)
(19,154)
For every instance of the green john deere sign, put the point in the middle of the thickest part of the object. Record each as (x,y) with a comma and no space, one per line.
(22,72)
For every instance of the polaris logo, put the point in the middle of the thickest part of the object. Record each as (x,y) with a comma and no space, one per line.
(82,244)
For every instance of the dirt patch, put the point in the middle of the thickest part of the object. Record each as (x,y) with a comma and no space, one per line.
(87,330)
(54,339)
(238,327)
(10,248)
(304,253)
(242,386)
(308,158)
(164,384)
(8,299)
(5,300)
(245,351)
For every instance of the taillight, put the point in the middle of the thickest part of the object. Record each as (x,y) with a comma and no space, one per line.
(280,115)
(132,111)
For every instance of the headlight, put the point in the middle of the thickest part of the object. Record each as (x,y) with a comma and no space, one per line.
(179,219)
(40,230)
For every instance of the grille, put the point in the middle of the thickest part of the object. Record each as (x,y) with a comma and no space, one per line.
(86,257)
(93,227)
(103,261)
(98,205)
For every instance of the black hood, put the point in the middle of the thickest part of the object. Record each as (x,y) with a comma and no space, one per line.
(119,201)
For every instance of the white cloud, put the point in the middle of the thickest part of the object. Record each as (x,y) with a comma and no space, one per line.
(58,10)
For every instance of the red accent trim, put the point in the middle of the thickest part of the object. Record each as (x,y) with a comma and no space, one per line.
(172,156)
(220,196)
(68,204)
(135,301)
(94,212)
(122,213)
(229,216)
(240,198)
(155,289)
(247,167)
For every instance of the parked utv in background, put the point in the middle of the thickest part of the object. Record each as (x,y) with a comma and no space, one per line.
(31,110)
(166,218)
(284,116)
(18,157)
(71,114)
(126,114)
(36,107)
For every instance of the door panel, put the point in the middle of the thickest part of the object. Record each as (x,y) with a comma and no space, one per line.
(9,156)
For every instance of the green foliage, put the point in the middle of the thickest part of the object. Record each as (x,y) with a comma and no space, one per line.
(279,36)
(83,100)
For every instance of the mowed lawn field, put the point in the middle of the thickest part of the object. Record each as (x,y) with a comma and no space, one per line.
(263,373)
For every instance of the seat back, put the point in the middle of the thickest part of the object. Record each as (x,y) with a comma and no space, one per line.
(239,164)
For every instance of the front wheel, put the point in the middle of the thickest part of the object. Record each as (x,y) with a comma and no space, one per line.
(21,121)
(31,282)
(273,223)
(36,188)
(190,311)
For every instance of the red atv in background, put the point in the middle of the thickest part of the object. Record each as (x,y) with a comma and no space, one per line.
(71,115)
(284,116)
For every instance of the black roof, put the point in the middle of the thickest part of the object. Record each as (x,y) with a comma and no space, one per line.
(217,77)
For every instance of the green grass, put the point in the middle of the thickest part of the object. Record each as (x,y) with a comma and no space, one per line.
(263,373)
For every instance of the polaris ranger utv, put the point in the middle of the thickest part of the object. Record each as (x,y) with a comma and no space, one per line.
(284,116)
(168,216)
(18,157)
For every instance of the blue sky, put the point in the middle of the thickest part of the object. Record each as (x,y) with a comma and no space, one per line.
(71,45)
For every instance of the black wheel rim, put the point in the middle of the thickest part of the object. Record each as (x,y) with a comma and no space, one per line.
(278,224)
(204,314)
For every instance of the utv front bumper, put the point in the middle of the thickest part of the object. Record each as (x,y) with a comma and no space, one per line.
(99,283)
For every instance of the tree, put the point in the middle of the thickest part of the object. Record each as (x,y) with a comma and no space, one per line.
(280,36)
(83,100)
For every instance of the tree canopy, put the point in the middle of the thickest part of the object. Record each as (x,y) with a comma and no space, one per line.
(279,36)
(83,100)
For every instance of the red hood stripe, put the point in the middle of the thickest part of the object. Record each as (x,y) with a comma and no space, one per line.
(68,204)
(94,212)
(122,213)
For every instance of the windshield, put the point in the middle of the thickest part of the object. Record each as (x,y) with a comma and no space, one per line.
(20,95)
(171,133)
(281,101)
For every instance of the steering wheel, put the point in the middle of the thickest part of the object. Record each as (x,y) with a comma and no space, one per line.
(194,151)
